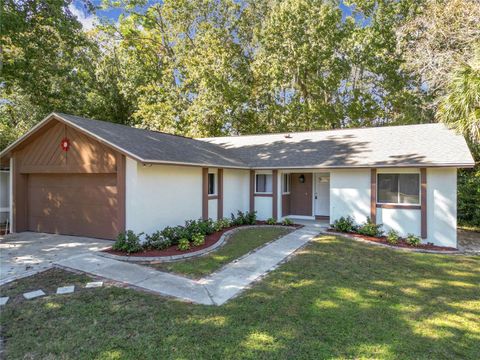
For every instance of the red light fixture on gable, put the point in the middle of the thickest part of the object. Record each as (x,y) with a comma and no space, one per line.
(65,144)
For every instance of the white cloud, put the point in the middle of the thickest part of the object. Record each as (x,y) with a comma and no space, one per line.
(87,20)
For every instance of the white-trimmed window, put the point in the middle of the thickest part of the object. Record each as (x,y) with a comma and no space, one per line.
(286,184)
(398,189)
(263,183)
(212,185)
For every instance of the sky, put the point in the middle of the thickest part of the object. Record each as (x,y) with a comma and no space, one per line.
(88,20)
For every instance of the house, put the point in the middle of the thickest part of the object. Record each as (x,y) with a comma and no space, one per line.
(77,176)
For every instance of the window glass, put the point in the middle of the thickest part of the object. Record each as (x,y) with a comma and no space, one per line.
(286,183)
(263,183)
(409,185)
(211,184)
(398,188)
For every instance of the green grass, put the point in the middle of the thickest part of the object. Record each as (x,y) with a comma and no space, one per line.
(336,299)
(239,244)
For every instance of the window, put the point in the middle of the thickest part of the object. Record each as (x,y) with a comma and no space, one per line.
(211,184)
(286,184)
(263,183)
(398,188)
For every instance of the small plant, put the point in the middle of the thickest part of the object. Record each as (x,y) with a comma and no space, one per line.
(198,239)
(183,244)
(413,240)
(222,224)
(392,237)
(271,221)
(287,222)
(239,219)
(344,224)
(370,229)
(251,217)
(156,241)
(128,241)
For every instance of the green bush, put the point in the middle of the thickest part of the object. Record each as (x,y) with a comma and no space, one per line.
(174,234)
(221,224)
(128,241)
(251,217)
(156,241)
(413,240)
(392,237)
(183,244)
(469,195)
(271,221)
(287,222)
(344,224)
(370,229)
(198,239)
(247,218)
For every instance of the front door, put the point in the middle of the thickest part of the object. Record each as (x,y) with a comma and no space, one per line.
(301,194)
(322,194)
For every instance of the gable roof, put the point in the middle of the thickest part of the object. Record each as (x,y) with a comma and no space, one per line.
(144,145)
(388,146)
(391,146)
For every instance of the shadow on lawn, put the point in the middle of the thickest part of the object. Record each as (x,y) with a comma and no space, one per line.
(336,298)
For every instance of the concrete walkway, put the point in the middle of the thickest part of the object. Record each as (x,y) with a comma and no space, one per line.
(215,289)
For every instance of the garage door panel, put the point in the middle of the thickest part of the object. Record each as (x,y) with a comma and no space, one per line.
(73,204)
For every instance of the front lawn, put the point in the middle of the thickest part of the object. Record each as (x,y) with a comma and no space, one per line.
(336,299)
(239,244)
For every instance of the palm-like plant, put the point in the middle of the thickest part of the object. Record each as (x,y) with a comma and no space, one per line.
(460,107)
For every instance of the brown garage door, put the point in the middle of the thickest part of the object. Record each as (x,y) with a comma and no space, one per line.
(73,204)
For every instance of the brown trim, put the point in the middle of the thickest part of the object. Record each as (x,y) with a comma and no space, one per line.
(204,193)
(322,217)
(263,195)
(212,197)
(20,197)
(220,194)
(275,194)
(252,190)
(423,196)
(373,195)
(285,204)
(399,206)
(121,191)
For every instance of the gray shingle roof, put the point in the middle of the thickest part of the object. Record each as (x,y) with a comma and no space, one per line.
(407,145)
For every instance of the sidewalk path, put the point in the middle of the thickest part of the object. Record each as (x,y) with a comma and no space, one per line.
(215,289)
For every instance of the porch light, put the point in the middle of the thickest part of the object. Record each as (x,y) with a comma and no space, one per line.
(301,178)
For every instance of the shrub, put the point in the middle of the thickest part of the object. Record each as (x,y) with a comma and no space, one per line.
(413,240)
(156,241)
(370,229)
(392,237)
(183,244)
(247,218)
(251,217)
(198,239)
(271,221)
(128,241)
(221,224)
(287,222)
(344,224)
(174,234)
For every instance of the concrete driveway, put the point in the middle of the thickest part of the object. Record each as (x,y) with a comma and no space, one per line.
(28,253)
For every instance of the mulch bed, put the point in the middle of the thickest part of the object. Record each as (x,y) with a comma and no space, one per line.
(401,242)
(172,250)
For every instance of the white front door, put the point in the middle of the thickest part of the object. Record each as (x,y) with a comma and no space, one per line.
(322,194)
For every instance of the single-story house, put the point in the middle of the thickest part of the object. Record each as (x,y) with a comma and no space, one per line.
(77,176)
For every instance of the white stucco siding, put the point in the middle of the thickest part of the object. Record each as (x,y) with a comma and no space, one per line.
(404,221)
(212,209)
(161,195)
(350,194)
(263,207)
(442,206)
(236,191)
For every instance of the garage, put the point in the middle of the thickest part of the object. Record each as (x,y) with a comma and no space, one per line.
(66,182)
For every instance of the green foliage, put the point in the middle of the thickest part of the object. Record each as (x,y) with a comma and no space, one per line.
(198,239)
(344,224)
(413,240)
(174,233)
(392,237)
(370,229)
(128,241)
(183,244)
(271,221)
(287,222)
(247,218)
(156,241)
(222,224)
